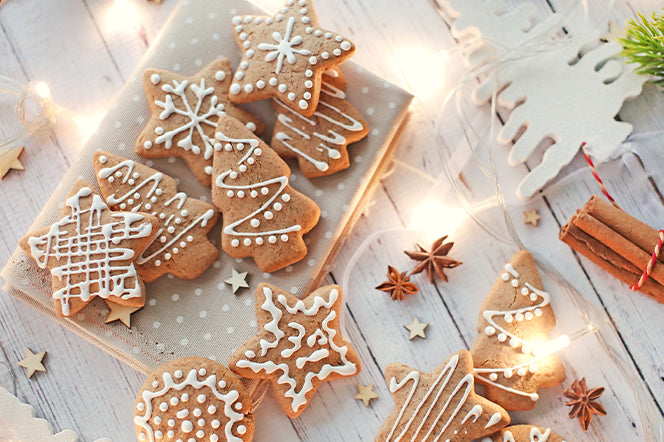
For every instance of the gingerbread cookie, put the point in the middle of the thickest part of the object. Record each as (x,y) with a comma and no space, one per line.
(185,111)
(515,318)
(284,56)
(180,246)
(524,433)
(90,251)
(441,405)
(334,77)
(298,345)
(193,399)
(319,142)
(263,216)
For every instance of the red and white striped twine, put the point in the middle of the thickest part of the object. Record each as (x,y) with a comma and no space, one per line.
(658,247)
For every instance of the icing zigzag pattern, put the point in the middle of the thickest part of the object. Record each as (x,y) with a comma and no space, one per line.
(180,246)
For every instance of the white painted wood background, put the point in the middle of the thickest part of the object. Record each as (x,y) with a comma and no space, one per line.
(71,45)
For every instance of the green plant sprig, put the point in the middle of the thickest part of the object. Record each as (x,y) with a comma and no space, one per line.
(644,44)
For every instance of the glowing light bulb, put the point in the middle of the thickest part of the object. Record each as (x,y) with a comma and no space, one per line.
(123,16)
(88,123)
(554,345)
(423,68)
(42,89)
(435,220)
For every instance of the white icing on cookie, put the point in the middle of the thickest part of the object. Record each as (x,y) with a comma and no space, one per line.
(286,43)
(325,335)
(91,252)
(252,233)
(209,383)
(284,47)
(177,102)
(174,229)
(328,143)
(455,401)
(493,317)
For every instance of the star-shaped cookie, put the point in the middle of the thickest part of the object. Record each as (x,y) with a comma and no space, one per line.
(90,251)
(181,246)
(320,141)
(284,56)
(440,405)
(298,345)
(185,111)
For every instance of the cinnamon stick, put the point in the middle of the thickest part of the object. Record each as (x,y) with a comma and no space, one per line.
(617,242)
(637,232)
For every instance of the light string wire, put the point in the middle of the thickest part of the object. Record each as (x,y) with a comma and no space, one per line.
(33,92)
(589,312)
(14,388)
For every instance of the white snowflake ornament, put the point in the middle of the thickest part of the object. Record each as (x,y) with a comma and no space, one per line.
(567,91)
(18,422)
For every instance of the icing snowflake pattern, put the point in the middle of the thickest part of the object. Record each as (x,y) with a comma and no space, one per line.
(284,47)
(196,116)
(296,50)
(89,260)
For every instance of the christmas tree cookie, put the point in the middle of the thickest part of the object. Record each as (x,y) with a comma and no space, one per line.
(440,405)
(263,216)
(319,142)
(90,252)
(181,246)
(285,55)
(185,111)
(516,319)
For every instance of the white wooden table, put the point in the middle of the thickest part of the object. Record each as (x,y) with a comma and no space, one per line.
(73,47)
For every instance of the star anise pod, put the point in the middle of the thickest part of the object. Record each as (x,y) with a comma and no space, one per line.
(398,285)
(584,403)
(435,260)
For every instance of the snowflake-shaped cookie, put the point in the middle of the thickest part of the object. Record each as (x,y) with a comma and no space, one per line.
(185,111)
(285,56)
(298,345)
(90,252)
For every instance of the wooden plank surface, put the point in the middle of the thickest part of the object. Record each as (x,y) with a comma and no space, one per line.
(85,59)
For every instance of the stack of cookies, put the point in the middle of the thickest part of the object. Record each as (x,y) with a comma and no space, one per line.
(142,227)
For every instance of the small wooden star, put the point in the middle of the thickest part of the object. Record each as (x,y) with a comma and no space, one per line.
(121,313)
(32,362)
(532,217)
(416,328)
(365,393)
(9,160)
(237,280)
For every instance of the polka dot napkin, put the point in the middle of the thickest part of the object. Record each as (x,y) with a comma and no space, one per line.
(202,316)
